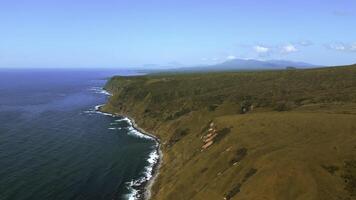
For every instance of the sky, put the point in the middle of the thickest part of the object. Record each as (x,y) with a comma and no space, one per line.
(132,33)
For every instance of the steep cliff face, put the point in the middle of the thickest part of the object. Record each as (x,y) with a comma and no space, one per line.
(248,135)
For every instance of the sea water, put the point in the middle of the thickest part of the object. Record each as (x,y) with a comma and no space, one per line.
(54,144)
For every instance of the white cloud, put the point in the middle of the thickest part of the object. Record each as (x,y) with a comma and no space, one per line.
(204,59)
(353,47)
(339,47)
(261,49)
(343,47)
(305,43)
(231,57)
(289,48)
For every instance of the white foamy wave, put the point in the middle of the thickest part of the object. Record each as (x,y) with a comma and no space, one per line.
(147,175)
(97,111)
(132,131)
(120,120)
(132,195)
(99,90)
(107,114)
(152,159)
(98,107)
(114,128)
(89,111)
(136,133)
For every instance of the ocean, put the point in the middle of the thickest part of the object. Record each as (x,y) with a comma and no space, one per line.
(55,145)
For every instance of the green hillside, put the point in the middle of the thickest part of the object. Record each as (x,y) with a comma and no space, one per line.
(288,134)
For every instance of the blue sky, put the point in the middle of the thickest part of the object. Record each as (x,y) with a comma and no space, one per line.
(132,33)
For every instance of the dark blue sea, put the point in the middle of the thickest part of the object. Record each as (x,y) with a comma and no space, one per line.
(54,145)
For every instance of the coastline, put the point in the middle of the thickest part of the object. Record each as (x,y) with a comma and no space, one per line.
(144,189)
(155,171)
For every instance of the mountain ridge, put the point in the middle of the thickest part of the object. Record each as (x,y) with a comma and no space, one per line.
(238,65)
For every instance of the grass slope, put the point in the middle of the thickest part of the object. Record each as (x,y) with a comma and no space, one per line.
(298,142)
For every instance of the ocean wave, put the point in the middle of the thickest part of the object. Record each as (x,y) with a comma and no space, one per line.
(96,110)
(147,175)
(135,186)
(133,194)
(120,120)
(97,107)
(99,90)
(114,128)
(133,131)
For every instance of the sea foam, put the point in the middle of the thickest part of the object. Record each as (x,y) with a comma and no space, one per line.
(153,158)
(99,90)
(132,186)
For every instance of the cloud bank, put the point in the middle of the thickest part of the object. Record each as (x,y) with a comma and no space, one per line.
(289,48)
(261,49)
(345,47)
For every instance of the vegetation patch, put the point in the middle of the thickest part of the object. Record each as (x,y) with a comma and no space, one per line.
(250,173)
(206,127)
(179,114)
(222,133)
(349,177)
(330,168)
(237,188)
(246,105)
(233,191)
(177,135)
(203,170)
(213,107)
(240,154)
(284,106)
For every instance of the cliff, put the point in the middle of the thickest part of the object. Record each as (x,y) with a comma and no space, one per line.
(287,134)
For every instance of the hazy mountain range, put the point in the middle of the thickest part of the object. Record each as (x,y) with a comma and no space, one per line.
(234,64)
(258,64)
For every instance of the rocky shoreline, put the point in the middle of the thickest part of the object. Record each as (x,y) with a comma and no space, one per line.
(144,188)
(147,186)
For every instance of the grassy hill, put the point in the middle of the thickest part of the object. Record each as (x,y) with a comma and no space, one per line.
(288,134)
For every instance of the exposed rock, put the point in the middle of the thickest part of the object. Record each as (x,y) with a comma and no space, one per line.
(205,146)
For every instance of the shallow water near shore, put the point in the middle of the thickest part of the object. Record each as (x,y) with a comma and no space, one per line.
(55,145)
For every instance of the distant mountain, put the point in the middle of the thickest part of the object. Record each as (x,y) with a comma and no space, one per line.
(286,63)
(169,65)
(250,64)
(235,65)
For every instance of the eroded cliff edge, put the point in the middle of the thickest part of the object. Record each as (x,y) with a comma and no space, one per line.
(248,135)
